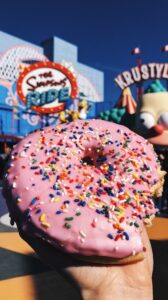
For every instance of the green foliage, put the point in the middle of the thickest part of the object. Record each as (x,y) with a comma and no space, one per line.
(113,115)
(155,87)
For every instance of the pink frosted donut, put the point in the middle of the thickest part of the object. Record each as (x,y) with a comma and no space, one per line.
(85,187)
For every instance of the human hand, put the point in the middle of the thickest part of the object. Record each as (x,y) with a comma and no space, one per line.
(101,282)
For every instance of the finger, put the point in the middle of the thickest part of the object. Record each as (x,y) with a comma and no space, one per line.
(148,252)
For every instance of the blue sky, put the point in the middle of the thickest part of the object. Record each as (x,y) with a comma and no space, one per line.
(105,31)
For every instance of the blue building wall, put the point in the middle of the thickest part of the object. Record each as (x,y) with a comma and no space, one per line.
(62,50)
(8,41)
(14,120)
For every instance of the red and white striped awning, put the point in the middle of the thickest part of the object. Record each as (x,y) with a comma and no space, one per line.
(127,101)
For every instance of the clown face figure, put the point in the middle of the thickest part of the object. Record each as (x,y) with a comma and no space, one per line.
(152,123)
(152,118)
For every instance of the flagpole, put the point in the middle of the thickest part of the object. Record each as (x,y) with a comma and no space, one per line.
(139,87)
(165,49)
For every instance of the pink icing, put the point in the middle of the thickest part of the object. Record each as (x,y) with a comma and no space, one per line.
(84,187)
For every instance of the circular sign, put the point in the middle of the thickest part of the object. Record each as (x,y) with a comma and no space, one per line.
(46,87)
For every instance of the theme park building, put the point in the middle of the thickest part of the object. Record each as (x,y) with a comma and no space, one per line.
(15,54)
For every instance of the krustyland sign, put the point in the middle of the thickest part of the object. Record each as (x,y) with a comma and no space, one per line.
(142,72)
(46,87)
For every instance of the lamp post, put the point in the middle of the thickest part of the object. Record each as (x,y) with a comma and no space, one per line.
(165,49)
(139,88)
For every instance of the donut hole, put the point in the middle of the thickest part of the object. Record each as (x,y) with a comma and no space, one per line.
(87,160)
(94,157)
